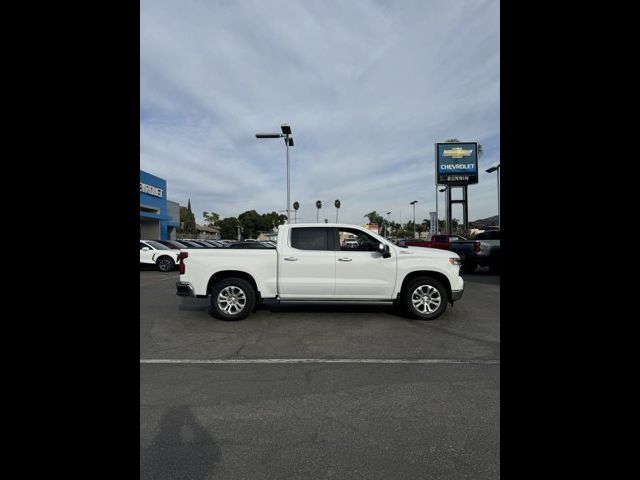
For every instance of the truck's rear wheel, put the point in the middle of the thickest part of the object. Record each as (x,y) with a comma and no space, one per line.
(425,298)
(232,299)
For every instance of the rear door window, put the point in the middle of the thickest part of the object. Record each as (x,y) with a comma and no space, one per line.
(310,238)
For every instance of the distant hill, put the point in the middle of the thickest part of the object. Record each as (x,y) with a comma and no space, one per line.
(484,222)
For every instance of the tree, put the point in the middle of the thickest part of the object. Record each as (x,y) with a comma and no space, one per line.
(272,220)
(374,217)
(187,220)
(210,218)
(228,227)
(252,222)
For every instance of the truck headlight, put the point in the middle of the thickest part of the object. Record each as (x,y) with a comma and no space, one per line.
(454,261)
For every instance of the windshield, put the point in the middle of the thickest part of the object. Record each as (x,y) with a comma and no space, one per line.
(157,245)
(179,244)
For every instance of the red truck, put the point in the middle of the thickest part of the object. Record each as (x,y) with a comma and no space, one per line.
(466,249)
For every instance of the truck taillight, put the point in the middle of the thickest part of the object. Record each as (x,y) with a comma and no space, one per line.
(476,247)
(181,257)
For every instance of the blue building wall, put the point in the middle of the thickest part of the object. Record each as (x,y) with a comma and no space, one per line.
(153,196)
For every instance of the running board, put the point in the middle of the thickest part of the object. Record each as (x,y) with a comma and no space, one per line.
(272,301)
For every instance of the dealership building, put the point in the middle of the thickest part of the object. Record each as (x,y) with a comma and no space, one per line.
(159,217)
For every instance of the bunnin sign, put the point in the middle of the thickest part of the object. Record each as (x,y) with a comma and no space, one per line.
(456,163)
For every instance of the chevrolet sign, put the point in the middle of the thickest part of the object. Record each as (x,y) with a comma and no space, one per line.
(457,152)
(456,163)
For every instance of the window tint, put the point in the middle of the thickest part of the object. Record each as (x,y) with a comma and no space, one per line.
(310,238)
(190,244)
(142,245)
(357,241)
(157,245)
(179,244)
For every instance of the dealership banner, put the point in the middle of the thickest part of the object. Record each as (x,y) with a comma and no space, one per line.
(456,163)
(433,222)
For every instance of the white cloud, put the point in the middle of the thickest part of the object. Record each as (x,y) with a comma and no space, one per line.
(367,86)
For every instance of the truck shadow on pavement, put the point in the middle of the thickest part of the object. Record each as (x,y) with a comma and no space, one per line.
(330,308)
(482,275)
(183,449)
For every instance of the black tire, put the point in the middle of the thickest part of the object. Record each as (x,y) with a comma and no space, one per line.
(469,266)
(165,264)
(433,291)
(235,289)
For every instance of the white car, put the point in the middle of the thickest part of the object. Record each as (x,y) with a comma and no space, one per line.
(154,253)
(315,263)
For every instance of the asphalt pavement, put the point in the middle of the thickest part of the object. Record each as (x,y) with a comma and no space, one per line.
(435,418)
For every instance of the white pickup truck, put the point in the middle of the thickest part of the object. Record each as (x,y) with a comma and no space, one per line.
(321,262)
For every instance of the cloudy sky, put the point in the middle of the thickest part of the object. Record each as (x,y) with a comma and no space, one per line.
(368,87)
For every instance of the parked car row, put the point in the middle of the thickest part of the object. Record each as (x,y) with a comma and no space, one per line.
(164,253)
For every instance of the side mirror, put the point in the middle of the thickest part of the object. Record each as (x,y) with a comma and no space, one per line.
(145,249)
(383,248)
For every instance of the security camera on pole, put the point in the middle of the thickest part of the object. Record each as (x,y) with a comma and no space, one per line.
(337,204)
(296,206)
(318,206)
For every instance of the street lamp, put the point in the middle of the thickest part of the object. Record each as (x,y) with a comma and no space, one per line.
(288,141)
(497,170)
(414,217)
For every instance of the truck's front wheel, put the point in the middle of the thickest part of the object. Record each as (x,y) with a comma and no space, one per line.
(425,298)
(232,299)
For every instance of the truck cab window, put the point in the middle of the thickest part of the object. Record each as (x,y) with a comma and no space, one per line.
(310,238)
(357,241)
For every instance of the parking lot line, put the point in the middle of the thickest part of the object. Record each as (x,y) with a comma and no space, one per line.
(318,360)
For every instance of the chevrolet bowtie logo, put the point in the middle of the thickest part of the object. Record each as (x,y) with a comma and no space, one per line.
(457,152)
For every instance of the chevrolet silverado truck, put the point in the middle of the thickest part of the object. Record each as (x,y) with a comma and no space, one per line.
(322,263)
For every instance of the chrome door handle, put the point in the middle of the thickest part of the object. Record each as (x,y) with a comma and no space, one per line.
(291,259)
(344,259)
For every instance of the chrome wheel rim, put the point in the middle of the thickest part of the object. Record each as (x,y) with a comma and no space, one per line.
(426,299)
(164,265)
(231,300)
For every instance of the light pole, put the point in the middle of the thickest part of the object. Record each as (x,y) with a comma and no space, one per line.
(437,219)
(414,217)
(288,141)
(497,170)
